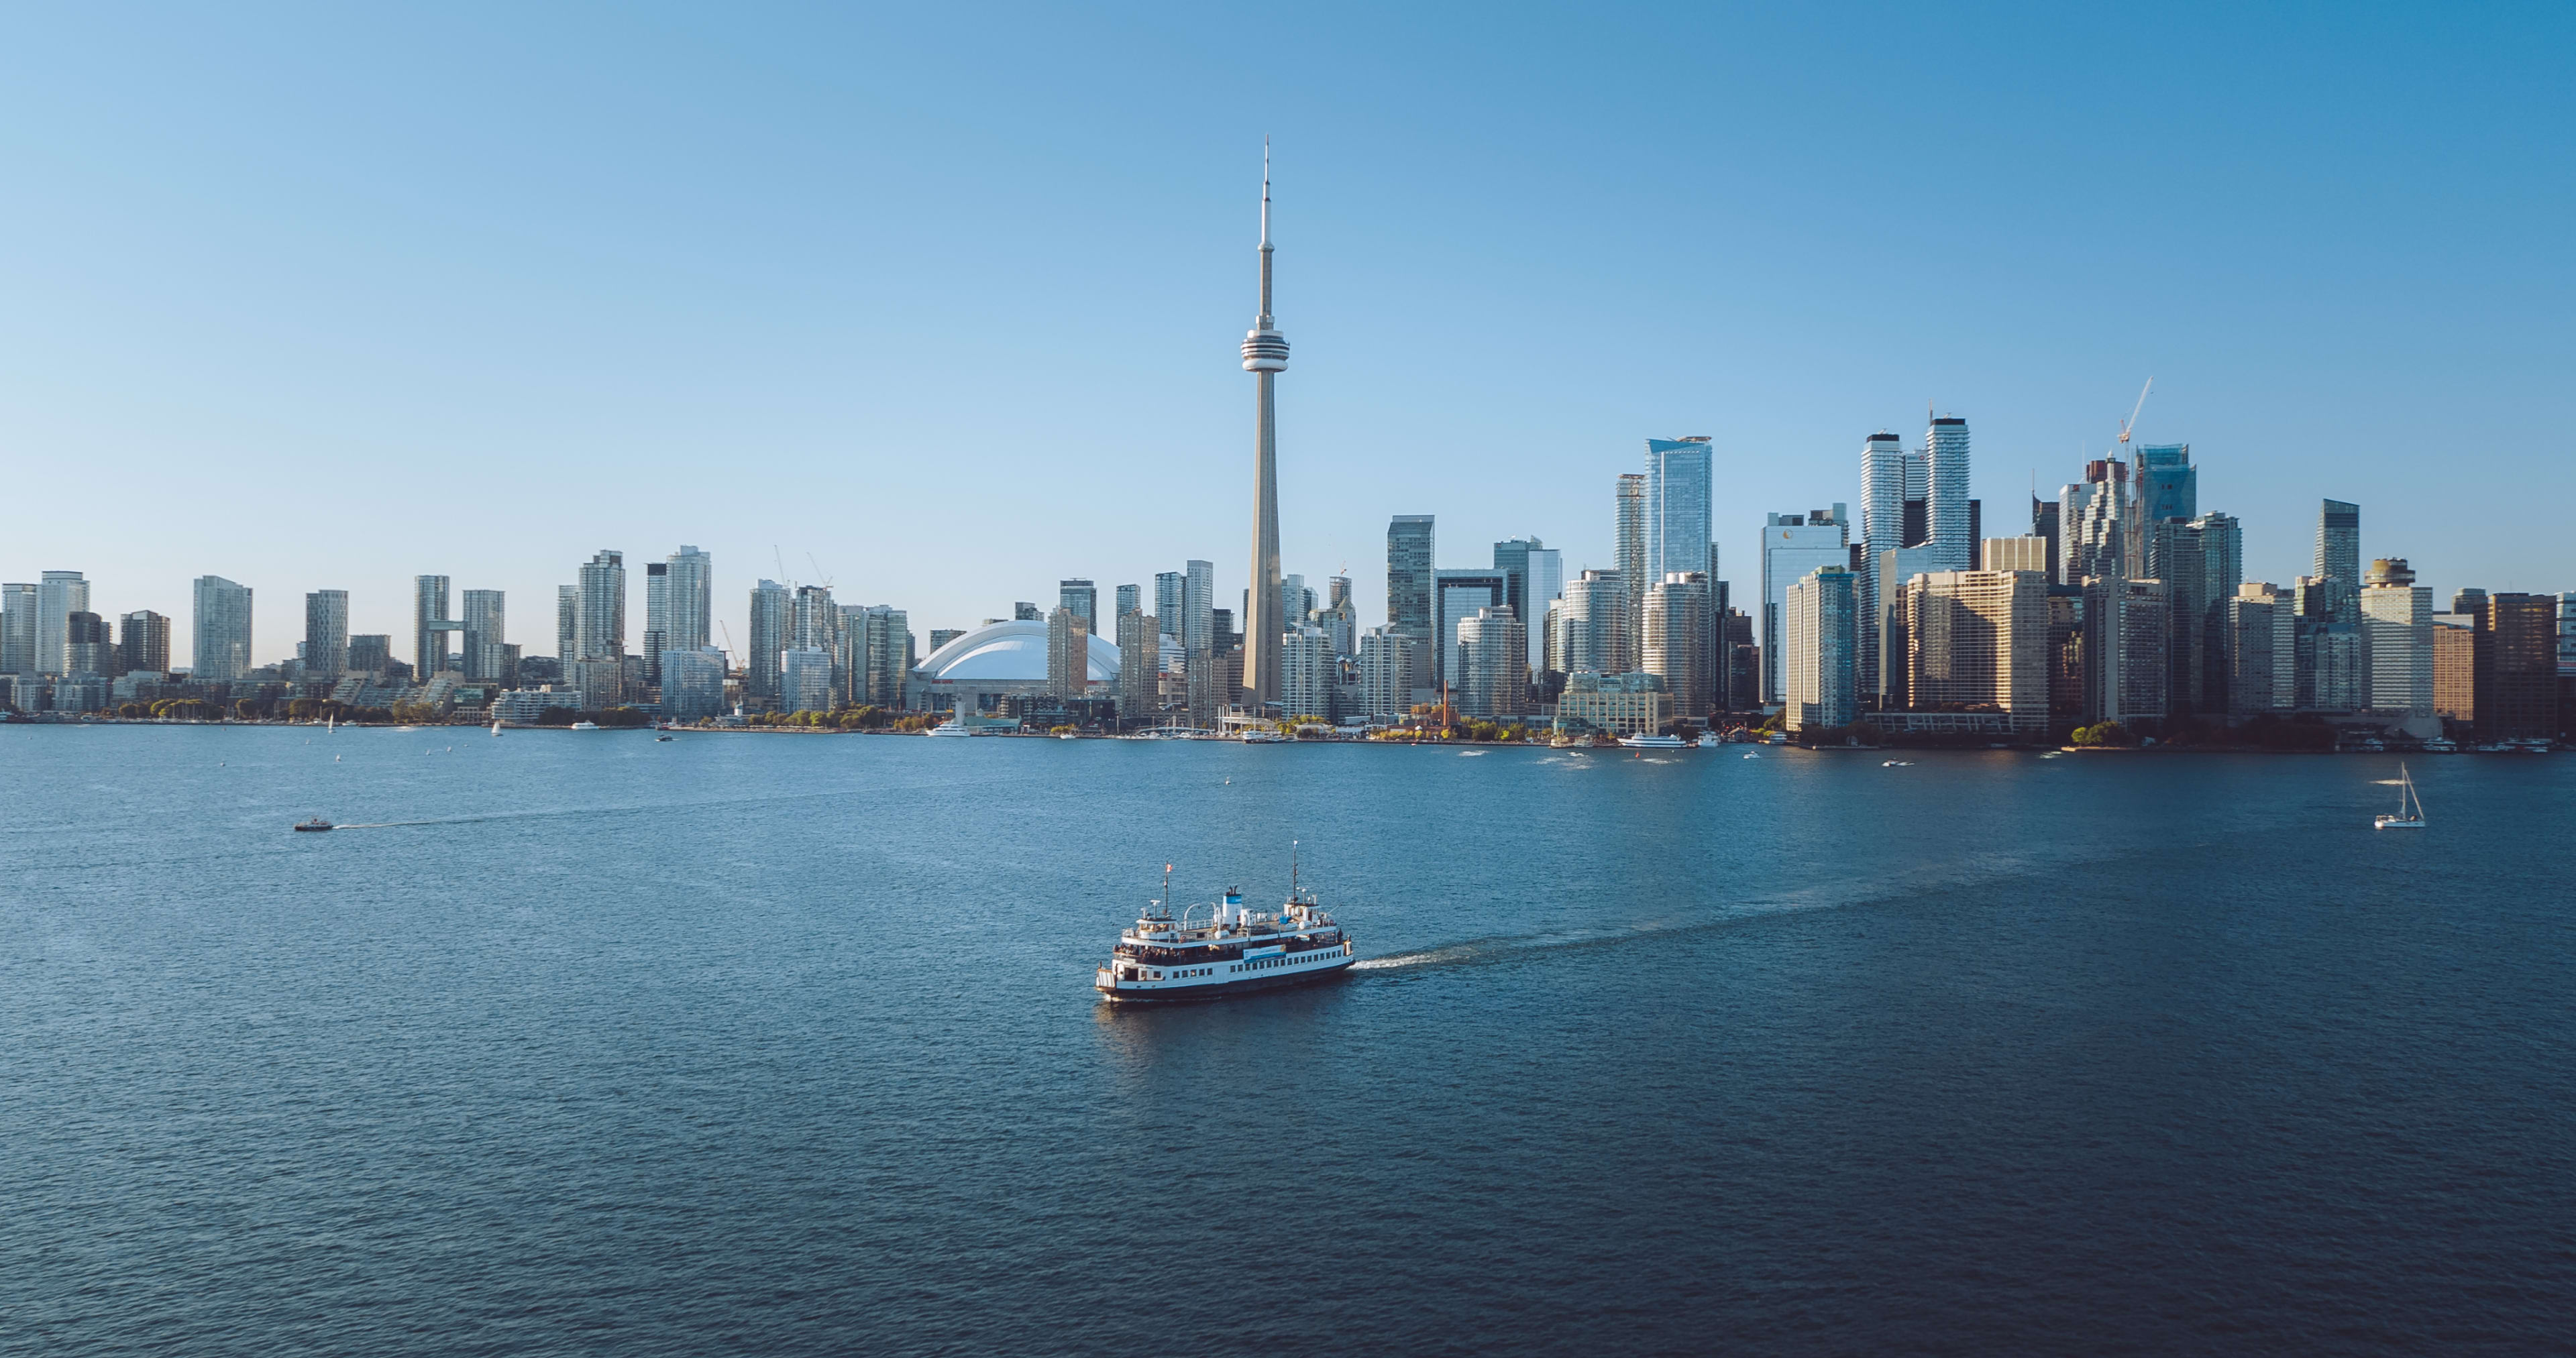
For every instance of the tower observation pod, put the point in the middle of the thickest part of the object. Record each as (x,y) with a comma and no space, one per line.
(1265,356)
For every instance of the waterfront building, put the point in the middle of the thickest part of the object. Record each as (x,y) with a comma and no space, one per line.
(693,683)
(1455,597)
(1169,588)
(1630,704)
(1820,631)
(1629,542)
(1309,673)
(18,609)
(326,634)
(1794,546)
(1411,576)
(688,620)
(567,608)
(1139,642)
(814,622)
(2339,554)
(1386,674)
(370,653)
(2127,625)
(2168,485)
(430,625)
(2014,554)
(87,649)
(1198,607)
(1890,475)
(600,682)
(143,643)
(1739,661)
(1491,677)
(772,621)
(1068,653)
(1953,538)
(657,622)
(2567,632)
(59,594)
(1265,356)
(599,608)
(1083,598)
(525,705)
(2455,648)
(1678,507)
(220,649)
(2065,652)
(1679,645)
(805,679)
(486,640)
(2333,673)
(2262,653)
(876,653)
(1592,626)
(1535,576)
(2200,561)
(2516,667)
(1978,641)
(81,692)
(2397,635)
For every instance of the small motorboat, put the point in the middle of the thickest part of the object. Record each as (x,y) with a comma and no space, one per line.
(585,726)
(661,740)
(315,824)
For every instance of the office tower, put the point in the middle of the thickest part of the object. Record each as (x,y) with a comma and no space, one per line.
(773,613)
(485,630)
(2014,554)
(87,649)
(1890,474)
(1678,480)
(890,659)
(2092,524)
(2168,485)
(1130,600)
(2455,667)
(2222,569)
(1386,671)
(1979,640)
(804,680)
(2516,667)
(1455,597)
(144,643)
(599,608)
(1308,673)
(429,626)
(1491,663)
(1198,612)
(1295,602)
(18,610)
(2043,525)
(2467,602)
(1221,632)
(59,594)
(326,633)
(1820,629)
(1139,673)
(1793,545)
(1678,643)
(370,653)
(2332,673)
(1083,599)
(2262,652)
(657,622)
(693,683)
(2175,556)
(689,607)
(1068,653)
(567,632)
(1592,626)
(1536,576)
(1629,544)
(1739,660)
(1168,592)
(2339,554)
(220,650)
(2397,635)
(1409,571)
(1339,617)
(941,636)
(2567,633)
(2126,626)
(1025,611)
(1945,474)
(1265,356)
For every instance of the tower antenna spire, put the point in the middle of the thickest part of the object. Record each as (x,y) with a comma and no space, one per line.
(1265,197)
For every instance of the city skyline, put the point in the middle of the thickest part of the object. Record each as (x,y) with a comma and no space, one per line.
(251,329)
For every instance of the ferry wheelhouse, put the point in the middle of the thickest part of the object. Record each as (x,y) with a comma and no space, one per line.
(1208,951)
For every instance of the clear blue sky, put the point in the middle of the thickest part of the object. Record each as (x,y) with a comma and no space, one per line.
(947,298)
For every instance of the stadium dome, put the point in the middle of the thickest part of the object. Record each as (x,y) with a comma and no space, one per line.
(1010,652)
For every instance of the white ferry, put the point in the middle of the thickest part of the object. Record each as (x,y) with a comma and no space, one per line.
(1227,950)
(1655,742)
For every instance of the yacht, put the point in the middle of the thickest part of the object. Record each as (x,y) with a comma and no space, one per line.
(496,727)
(954,726)
(1659,742)
(1207,952)
(2410,808)
(1264,738)
(578,726)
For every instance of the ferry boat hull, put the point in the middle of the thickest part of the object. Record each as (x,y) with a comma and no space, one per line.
(1231,950)
(1201,989)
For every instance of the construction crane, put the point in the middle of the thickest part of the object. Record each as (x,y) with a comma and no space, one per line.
(728,636)
(2130,425)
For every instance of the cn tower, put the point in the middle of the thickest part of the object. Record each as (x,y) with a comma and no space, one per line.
(1265,356)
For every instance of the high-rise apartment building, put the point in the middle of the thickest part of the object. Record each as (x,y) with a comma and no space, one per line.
(773,614)
(1410,564)
(693,683)
(567,625)
(87,649)
(1629,543)
(2201,563)
(2333,668)
(486,641)
(1678,644)
(1945,468)
(2093,524)
(657,621)
(1068,653)
(1130,600)
(2397,634)
(1455,597)
(1386,671)
(2126,671)
(2339,554)
(430,625)
(1592,626)
(1820,629)
(1309,673)
(143,643)
(805,679)
(1139,673)
(220,652)
(1339,617)
(1978,641)
(1793,546)
(371,653)
(599,608)
(2516,663)
(1679,495)
(1084,599)
(1491,663)
(1168,593)
(59,594)
(18,609)
(2455,667)
(1198,607)
(326,633)
(2262,652)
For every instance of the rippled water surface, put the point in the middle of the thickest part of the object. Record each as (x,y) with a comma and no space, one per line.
(785,1045)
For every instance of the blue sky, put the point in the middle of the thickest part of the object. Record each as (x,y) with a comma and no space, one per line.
(942,303)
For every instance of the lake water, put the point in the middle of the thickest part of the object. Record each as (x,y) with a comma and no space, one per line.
(786,1045)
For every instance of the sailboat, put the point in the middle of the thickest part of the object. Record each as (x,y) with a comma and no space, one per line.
(2410,807)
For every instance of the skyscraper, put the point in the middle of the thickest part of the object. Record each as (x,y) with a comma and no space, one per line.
(221,645)
(2397,630)
(2339,554)
(1945,468)
(1083,598)
(1491,660)
(1265,356)
(1888,471)
(567,628)
(1309,673)
(2092,524)
(59,594)
(2168,485)
(1793,545)
(689,621)
(1130,600)
(772,615)
(1979,640)
(1386,673)
(486,644)
(18,610)
(1819,630)
(1592,625)
(599,608)
(1198,607)
(1139,646)
(1628,543)
(657,621)
(1455,596)
(87,648)
(2126,628)
(1678,643)
(1678,473)
(143,643)
(2516,667)
(1169,587)
(326,633)
(1536,574)
(1410,561)
(1068,653)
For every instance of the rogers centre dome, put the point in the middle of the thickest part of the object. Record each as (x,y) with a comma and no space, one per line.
(1009,653)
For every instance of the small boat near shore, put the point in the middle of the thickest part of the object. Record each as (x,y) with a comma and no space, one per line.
(2410,807)
(314,825)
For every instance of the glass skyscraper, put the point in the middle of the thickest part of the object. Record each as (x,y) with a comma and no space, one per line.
(1678,533)
(221,644)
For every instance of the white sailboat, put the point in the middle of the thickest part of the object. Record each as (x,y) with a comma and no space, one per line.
(2410,807)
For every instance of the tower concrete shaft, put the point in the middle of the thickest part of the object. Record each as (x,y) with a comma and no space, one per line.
(1265,356)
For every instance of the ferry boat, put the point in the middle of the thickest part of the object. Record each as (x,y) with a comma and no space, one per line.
(578,726)
(315,824)
(1260,737)
(1642,742)
(1207,952)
